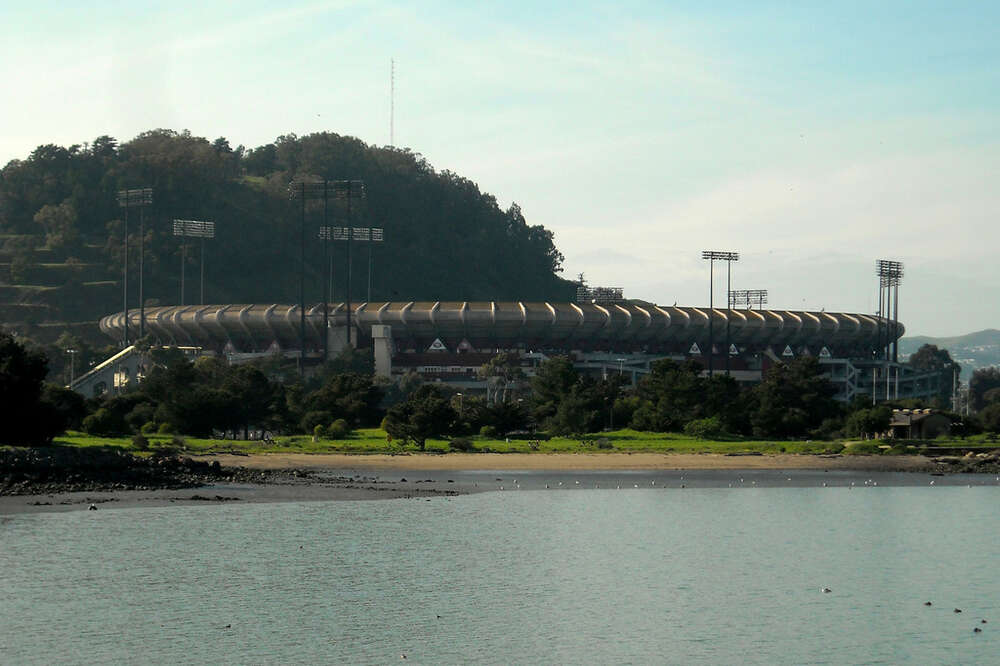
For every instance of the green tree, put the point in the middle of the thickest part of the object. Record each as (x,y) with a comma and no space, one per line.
(59,225)
(868,422)
(505,417)
(983,380)
(992,396)
(553,380)
(425,414)
(31,421)
(348,396)
(792,399)
(990,417)
(577,413)
(251,394)
(68,407)
(500,372)
(674,394)
(931,358)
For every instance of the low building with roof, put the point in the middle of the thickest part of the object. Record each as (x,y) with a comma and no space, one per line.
(919,424)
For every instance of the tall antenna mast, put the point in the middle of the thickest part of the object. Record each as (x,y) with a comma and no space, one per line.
(392,101)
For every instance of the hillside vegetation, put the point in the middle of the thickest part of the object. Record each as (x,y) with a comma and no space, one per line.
(61,230)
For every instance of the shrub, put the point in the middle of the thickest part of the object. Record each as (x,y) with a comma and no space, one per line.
(318,432)
(460,444)
(178,442)
(604,443)
(148,428)
(830,428)
(104,422)
(709,428)
(862,449)
(488,431)
(338,429)
(140,442)
(313,419)
(165,429)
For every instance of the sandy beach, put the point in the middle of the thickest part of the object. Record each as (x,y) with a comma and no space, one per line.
(573,461)
(429,477)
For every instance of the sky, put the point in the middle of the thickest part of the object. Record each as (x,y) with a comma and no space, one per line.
(812,138)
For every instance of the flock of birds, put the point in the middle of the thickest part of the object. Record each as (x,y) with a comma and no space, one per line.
(824,590)
(975,630)
(618,486)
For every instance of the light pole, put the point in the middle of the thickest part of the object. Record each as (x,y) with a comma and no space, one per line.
(344,192)
(349,191)
(72,358)
(890,274)
(370,235)
(376,236)
(135,198)
(303,190)
(193,229)
(712,256)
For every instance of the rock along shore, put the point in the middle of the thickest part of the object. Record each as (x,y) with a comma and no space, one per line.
(31,471)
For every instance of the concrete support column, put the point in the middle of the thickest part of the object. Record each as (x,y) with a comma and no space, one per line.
(382,342)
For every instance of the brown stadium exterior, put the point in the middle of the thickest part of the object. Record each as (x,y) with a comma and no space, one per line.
(447,342)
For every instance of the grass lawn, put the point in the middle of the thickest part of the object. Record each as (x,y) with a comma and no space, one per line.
(373,440)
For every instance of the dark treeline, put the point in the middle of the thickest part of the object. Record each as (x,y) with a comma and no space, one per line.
(60,225)
(209,397)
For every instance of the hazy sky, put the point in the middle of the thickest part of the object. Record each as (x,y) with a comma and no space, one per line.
(813,140)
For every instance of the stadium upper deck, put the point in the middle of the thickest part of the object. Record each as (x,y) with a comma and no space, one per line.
(488,326)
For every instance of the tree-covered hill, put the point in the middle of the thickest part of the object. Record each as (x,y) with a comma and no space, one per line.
(972,350)
(61,229)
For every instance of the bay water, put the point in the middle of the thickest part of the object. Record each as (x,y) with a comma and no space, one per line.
(648,575)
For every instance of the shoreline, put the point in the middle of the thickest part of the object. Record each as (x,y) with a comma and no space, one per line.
(297,477)
(574,461)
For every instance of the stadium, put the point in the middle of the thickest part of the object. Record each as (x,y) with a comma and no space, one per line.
(448,342)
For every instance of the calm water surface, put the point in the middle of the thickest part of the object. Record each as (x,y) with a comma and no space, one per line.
(709,575)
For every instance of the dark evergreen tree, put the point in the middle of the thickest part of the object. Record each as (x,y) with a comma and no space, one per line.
(29,420)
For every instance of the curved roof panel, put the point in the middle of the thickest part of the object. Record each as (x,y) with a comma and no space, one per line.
(506,324)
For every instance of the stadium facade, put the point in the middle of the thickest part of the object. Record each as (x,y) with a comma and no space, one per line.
(448,342)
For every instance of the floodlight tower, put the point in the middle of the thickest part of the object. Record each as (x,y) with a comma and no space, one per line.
(748,297)
(712,256)
(193,229)
(342,192)
(890,274)
(370,235)
(303,190)
(376,235)
(347,192)
(135,198)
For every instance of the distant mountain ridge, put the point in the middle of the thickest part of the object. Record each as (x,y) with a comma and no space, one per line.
(972,350)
